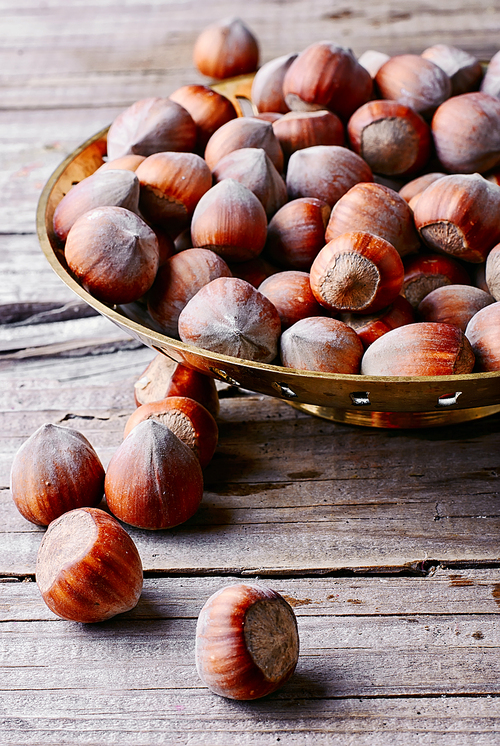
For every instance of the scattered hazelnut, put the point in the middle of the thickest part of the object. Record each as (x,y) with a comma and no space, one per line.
(208,108)
(88,568)
(391,137)
(426,272)
(491,81)
(113,253)
(415,187)
(127,162)
(247,643)
(303,129)
(372,326)
(55,470)
(267,85)
(253,270)
(420,349)
(296,233)
(453,304)
(372,60)
(492,272)
(229,316)
(323,344)
(151,125)
(415,82)
(483,332)
(463,69)
(186,418)
(357,272)
(290,292)
(225,49)
(153,480)
(244,132)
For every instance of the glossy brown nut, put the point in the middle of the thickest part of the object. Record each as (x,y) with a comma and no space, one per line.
(357,272)
(463,69)
(247,643)
(151,125)
(375,209)
(163,377)
(127,162)
(113,253)
(267,85)
(458,215)
(55,470)
(453,304)
(391,137)
(153,480)
(327,76)
(229,316)
(416,186)
(178,280)
(466,132)
(172,184)
(420,349)
(323,344)
(88,568)
(186,418)
(413,81)
(372,326)
(253,168)
(113,187)
(325,172)
(244,132)
(230,220)
(372,60)
(226,48)
(303,129)
(426,272)
(208,108)
(492,272)
(483,332)
(296,233)
(253,271)
(290,292)
(491,81)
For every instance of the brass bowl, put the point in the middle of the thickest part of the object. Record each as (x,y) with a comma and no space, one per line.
(381,401)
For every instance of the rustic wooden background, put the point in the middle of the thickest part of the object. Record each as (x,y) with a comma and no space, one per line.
(385,542)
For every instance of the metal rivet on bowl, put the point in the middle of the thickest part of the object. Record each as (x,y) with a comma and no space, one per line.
(360,398)
(447,400)
(224,376)
(285,391)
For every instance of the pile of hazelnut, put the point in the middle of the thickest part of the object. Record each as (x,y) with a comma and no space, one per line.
(351,225)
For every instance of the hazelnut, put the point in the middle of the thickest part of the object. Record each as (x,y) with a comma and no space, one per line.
(453,304)
(244,132)
(303,129)
(358,272)
(415,187)
(322,344)
(267,85)
(415,82)
(225,49)
(375,209)
(372,326)
(483,332)
(391,137)
(54,471)
(178,280)
(325,172)
(290,292)
(112,187)
(186,418)
(426,272)
(296,233)
(151,125)
(230,220)
(457,214)
(253,270)
(492,272)
(113,253)
(420,349)
(463,69)
(327,76)
(163,378)
(253,168)
(172,184)
(208,108)
(372,60)
(247,643)
(229,316)
(491,81)
(88,568)
(466,132)
(153,480)
(127,162)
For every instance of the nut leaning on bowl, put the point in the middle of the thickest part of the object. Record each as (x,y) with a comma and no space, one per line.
(403,152)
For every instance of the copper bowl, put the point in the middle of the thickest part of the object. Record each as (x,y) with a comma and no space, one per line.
(382,401)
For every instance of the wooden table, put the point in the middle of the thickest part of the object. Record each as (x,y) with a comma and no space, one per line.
(386,543)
